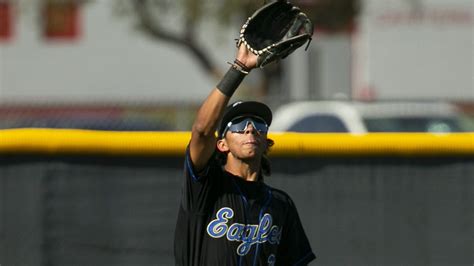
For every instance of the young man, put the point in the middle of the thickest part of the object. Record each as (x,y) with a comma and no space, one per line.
(228,215)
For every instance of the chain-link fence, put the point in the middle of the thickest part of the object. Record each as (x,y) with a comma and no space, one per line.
(78,210)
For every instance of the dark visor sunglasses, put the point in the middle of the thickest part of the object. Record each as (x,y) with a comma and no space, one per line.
(240,124)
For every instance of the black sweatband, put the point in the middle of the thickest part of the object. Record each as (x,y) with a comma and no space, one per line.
(230,81)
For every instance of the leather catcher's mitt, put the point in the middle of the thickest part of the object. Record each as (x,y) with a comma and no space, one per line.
(274,31)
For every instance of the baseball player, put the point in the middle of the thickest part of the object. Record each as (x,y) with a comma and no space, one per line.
(228,215)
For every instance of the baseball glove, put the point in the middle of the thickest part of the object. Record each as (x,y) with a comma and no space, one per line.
(274,31)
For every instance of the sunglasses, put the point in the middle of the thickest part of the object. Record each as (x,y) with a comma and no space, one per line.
(240,124)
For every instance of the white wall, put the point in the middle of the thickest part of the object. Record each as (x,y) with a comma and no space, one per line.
(417,49)
(110,62)
(113,62)
(323,71)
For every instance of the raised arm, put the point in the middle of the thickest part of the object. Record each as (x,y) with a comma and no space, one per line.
(203,138)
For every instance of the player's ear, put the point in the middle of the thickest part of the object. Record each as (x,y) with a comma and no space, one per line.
(269,143)
(222,145)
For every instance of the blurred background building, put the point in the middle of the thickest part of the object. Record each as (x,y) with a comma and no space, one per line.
(148,64)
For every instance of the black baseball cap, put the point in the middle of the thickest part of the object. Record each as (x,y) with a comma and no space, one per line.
(244,108)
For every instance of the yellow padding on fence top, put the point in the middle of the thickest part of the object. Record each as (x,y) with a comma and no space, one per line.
(72,141)
(89,142)
(380,144)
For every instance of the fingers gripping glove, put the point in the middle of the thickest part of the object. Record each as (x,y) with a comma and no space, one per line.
(274,31)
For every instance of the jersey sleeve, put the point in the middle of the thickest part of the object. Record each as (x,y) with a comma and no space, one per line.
(197,187)
(294,248)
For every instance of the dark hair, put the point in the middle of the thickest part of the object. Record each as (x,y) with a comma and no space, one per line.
(265,165)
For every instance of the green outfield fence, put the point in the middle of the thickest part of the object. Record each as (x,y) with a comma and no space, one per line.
(79,197)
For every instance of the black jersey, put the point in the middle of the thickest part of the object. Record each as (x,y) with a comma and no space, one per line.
(225,220)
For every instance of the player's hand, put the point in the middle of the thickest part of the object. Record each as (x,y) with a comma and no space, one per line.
(246,57)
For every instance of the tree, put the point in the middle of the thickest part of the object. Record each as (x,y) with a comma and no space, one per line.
(177,22)
(332,16)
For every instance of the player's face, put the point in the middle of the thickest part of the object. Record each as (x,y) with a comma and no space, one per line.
(247,141)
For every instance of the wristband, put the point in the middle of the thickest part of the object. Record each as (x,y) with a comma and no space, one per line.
(230,81)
